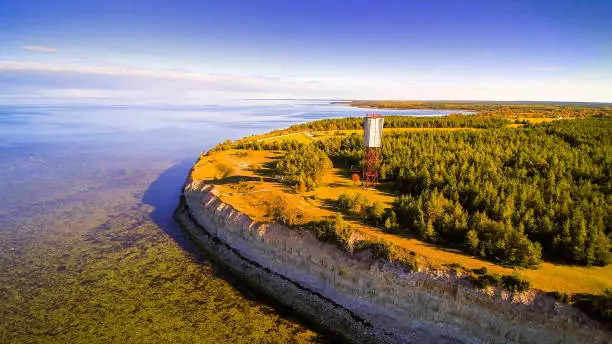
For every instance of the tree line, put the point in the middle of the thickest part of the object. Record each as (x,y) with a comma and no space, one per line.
(453,121)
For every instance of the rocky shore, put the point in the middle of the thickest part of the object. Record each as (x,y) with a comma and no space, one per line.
(372,301)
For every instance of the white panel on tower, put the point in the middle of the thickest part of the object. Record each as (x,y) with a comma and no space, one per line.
(372,127)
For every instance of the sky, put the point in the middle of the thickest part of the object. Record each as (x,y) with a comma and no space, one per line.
(205,52)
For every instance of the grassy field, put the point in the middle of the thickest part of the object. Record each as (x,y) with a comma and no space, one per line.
(310,136)
(301,137)
(246,180)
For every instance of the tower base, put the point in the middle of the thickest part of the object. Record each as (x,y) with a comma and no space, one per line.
(371,162)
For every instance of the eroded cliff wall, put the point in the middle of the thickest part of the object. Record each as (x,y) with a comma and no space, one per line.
(385,302)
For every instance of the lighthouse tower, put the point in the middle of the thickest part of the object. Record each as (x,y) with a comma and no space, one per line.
(372,130)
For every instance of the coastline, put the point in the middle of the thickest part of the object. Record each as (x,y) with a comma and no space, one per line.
(308,277)
(322,312)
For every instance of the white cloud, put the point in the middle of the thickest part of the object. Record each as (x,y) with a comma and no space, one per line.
(128,84)
(121,84)
(81,93)
(39,49)
(140,77)
(129,71)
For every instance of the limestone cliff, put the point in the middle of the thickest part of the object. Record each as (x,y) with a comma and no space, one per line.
(376,301)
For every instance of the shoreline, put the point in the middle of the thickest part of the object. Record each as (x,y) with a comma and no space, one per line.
(322,312)
(344,294)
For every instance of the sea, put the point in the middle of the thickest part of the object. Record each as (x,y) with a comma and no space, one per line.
(89,251)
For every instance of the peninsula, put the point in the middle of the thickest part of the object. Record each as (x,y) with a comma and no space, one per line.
(481,229)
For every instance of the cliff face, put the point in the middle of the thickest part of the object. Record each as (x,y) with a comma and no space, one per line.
(385,302)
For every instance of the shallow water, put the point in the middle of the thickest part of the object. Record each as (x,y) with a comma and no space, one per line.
(88,248)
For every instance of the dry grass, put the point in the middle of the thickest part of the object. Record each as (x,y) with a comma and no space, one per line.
(300,137)
(251,191)
(536,120)
(532,120)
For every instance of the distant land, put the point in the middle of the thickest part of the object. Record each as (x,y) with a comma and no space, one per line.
(509,109)
(413,104)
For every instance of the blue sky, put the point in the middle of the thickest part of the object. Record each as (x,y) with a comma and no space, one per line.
(210,51)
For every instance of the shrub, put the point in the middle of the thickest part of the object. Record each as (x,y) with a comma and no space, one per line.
(603,305)
(380,249)
(560,296)
(334,231)
(225,145)
(355,205)
(283,213)
(409,262)
(472,241)
(242,154)
(359,205)
(390,223)
(485,280)
(225,169)
(597,306)
(482,271)
(256,167)
(515,282)
(375,213)
(343,202)
(301,187)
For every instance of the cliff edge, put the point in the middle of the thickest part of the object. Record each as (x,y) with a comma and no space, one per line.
(368,300)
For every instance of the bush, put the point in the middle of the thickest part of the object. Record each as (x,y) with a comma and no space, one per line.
(225,145)
(515,282)
(485,280)
(482,271)
(390,222)
(225,169)
(375,213)
(242,154)
(597,306)
(560,296)
(409,261)
(603,305)
(283,213)
(358,205)
(344,202)
(380,249)
(334,231)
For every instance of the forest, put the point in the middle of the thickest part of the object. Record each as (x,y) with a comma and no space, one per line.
(513,196)
(509,195)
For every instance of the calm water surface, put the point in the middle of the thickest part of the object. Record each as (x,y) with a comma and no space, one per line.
(88,249)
